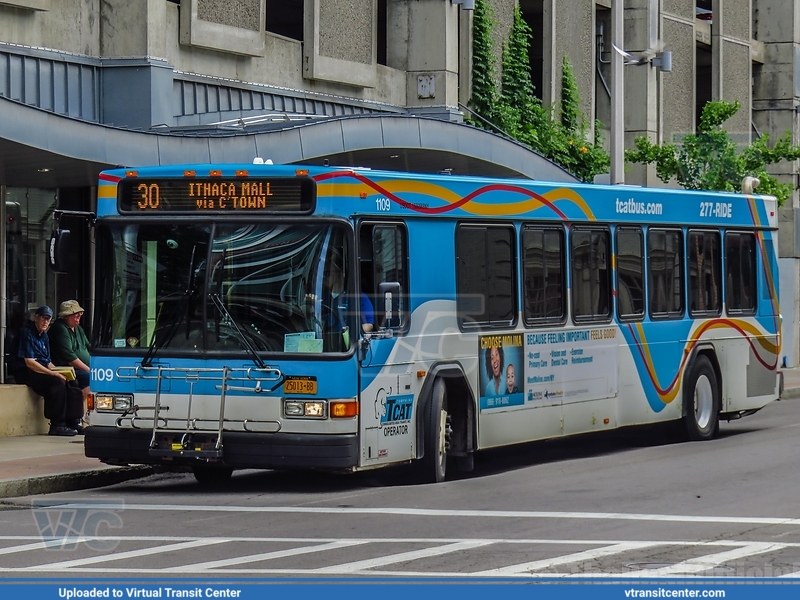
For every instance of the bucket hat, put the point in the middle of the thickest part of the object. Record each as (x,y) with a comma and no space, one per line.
(69,307)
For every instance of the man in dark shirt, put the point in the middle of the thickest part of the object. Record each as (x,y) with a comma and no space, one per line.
(32,367)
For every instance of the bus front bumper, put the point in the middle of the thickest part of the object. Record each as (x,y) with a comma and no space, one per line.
(240,450)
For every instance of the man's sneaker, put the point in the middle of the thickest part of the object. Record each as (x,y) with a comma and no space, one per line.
(62,430)
(77,425)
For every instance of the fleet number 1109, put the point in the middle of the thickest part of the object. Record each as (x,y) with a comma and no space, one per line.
(722,210)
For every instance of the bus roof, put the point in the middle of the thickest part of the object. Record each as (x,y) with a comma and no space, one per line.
(348,191)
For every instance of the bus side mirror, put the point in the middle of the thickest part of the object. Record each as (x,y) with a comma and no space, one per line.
(390,303)
(58,250)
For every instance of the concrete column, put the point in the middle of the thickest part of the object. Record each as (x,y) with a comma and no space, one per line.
(433,57)
(776,96)
(569,30)
(677,102)
(133,28)
(732,70)
(641,85)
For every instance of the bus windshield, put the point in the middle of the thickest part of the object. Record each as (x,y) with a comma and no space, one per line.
(230,287)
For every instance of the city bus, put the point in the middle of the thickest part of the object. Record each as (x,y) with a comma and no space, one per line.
(260,316)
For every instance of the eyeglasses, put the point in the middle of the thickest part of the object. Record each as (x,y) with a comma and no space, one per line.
(44,317)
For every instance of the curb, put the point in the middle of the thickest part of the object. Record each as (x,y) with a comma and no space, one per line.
(68,482)
(790,393)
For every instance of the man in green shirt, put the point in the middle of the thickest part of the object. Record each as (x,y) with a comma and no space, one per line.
(69,345)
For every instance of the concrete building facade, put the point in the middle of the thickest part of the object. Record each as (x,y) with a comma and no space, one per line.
(86,84)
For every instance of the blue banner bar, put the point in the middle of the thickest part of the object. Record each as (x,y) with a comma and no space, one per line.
(399,589)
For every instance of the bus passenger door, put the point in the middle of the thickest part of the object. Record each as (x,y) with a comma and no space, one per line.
(387,386)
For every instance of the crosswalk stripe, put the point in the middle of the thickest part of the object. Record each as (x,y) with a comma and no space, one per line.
(239,560)
(382,561)
(79,562)
(547,563)
(35,546)
(709,561)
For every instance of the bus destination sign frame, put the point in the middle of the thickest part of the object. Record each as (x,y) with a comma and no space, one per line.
(216,195)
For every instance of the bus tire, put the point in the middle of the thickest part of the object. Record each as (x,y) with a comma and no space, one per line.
(206,475)
(434,462)
(701,401)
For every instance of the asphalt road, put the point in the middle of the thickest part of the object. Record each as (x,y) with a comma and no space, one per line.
(634,503)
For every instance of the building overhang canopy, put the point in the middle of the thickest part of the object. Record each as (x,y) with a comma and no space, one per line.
(45,150)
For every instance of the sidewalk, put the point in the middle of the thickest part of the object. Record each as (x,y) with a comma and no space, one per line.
(40,464)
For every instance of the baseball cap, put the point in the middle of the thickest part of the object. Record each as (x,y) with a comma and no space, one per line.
(44,311)
(69,307)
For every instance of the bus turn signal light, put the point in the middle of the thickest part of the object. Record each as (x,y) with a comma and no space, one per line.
(343,410)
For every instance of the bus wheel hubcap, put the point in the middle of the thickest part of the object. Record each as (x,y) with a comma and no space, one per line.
(703,402)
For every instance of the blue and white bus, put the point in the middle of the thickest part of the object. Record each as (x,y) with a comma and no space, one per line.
(270,316)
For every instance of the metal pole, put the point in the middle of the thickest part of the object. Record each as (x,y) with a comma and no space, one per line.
(617,95)
(3,281)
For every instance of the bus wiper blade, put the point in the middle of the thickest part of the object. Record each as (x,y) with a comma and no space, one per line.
(215,298)
(176,318)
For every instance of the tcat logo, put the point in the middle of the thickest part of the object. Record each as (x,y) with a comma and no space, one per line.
(398,408)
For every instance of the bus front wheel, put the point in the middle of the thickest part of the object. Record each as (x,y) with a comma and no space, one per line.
(437,435)
(701,401)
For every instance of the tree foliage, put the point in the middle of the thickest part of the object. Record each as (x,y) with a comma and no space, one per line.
(517,112)
(484,92)
(711,160)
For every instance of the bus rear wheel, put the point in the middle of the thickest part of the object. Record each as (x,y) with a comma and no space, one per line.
(701,401)
(206,475)
(437,436)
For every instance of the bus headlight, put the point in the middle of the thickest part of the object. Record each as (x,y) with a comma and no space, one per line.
(311,409)
(115,402)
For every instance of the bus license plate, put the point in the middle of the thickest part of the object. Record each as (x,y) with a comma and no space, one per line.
(300,385)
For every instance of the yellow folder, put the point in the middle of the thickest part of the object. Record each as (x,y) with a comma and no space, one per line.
(68,372)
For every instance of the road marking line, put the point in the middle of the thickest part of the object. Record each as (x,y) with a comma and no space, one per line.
(41,545)
(537,565)
(214,564)
(423,512)
(382,561)
(710,561)
(67,564)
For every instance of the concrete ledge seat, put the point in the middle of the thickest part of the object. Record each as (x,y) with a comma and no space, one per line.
(21,412)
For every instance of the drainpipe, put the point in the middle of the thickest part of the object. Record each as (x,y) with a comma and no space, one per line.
(3,278)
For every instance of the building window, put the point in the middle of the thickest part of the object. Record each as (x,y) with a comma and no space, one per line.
(285,17)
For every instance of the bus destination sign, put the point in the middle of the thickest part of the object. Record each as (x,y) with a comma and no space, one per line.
(217,195)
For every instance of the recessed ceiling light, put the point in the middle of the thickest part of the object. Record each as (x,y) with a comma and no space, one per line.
(45,170)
